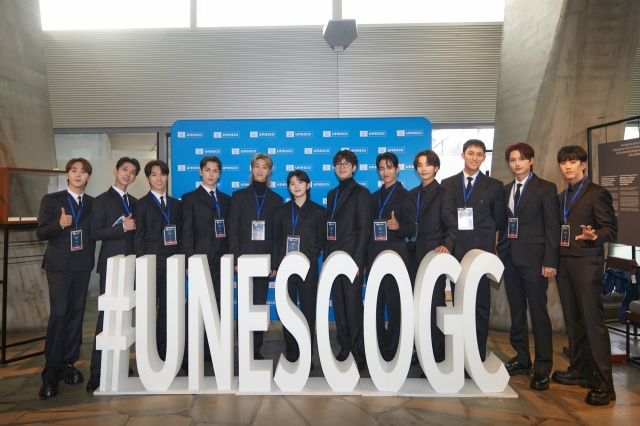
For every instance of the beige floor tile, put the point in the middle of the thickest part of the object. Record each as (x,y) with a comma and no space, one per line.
(331,411)
(172,420)
(151,404)
(376,405)
(9,385)
(93,418)
(222,409)
(277,411)
(614,415)
(7,418)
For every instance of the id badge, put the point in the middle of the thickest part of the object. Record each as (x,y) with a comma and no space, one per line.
(331,231)
(170,237)
(380,230)
(76,240)
(465,219)
(257,230)
(220,231)
(512,231)
(415,234)
(565,235)
(293,243)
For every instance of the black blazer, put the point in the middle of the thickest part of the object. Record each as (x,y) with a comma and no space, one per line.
(311,228)
(437,219)
(58,256)
(150,224)
(244,211)
(538,241)
(107,208)
(489,213)
(198,225)
(593,206)
(395,240)
(353,222)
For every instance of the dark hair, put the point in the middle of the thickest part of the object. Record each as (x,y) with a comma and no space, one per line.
(389,157)
(525,150)
(474,142)
(86,166)
(571,153)
(212,159)
(432,158)
(128,160)
(347,156)
(302,176)
(164,169)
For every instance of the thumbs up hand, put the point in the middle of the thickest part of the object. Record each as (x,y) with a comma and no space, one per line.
(129,223)
(392,224)
(65,219)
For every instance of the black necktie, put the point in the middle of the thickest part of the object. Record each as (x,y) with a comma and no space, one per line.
(469,180)
(162,204)
(213,195)
(126,200)
(79,201)
(516,197)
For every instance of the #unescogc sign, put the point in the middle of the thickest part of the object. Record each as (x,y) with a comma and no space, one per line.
(489,378)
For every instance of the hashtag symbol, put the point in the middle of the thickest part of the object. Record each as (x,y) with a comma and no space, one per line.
(117,334)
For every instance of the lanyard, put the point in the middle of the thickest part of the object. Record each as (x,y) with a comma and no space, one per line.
(336,200)
(216,202)
(515,207)
(568,209)
(294,222)
(261,205)
(126,207)
(385,201)
(165,214)
(419,203)
(464,189)
(73,211)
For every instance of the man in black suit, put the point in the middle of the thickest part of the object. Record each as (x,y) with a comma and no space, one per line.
(479,200)
(112,223)
(432,207)
(251,222)
(528,246)
(588,221)
(64,220)
(348,229)
(158,230)
(300,226)
(386,214)
(205,215)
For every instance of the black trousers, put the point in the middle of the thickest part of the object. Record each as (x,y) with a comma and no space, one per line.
(483,312)
(260,289)
(526,285)
(307,291)
(96,355)
(349,315)
(389,335)
(67,301)
(580,284)
(161,316)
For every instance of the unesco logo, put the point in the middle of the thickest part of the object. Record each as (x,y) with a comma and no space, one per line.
(190,134)
(219,135)
(232,168)
(373,133)
(213,151)
(401,166)
(244,184)
(363,150)
(235,184)
(408,166)
(317,151)
(193,168)
(364,167)
(363,183)
(401,133)
(262,134)
(181,167)
(279,184)
(181,134)
(299,134)
(335,133)
(292,167)
(324,201)
(397,149)
(326,167)
(272,151)
(320,184)
(199,151)
(239,151)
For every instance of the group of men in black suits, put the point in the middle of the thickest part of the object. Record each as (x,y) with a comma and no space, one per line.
(463,213)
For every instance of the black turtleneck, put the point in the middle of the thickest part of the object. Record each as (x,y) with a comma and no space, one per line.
(260,187)
(344,183)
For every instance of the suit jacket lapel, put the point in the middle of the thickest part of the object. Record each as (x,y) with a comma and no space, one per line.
(344,196)
(507,195)
(585,188)
(479,189)
(206,198)
(457,185)
(118,200)
(529,189)
(393,196)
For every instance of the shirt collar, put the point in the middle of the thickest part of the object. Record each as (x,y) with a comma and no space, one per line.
(206,188)
(157,195)
(74,195)
(471,176)
(118,190)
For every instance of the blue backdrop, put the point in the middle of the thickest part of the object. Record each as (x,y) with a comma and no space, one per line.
(294,144)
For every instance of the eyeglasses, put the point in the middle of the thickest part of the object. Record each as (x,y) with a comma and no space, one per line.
(343,165)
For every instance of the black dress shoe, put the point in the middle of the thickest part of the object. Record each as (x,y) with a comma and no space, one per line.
(568,378)
(600,397)
(539,381)
(72,376)
(515,367)
(48,388)
(342,356)
(93,383)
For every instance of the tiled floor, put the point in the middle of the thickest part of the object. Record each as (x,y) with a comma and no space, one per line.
(20,404)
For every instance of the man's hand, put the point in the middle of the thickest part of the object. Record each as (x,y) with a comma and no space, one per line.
(273,274)
(65,219)
(186,271)
(392,224)
(548,272)
(588,234)
(129,223)
(442,249)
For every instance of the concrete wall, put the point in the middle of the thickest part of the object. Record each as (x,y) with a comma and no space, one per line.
(26,140)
